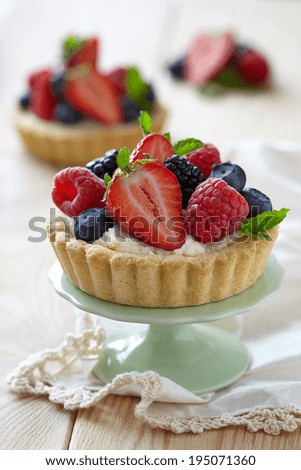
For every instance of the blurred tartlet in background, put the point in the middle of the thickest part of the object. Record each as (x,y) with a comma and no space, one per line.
(215,63)
(76,111)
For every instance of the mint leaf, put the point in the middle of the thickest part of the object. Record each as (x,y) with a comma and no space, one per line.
(123,158)
(259,226)
(211,89)
(145,122)
(71,45)
(136,89)
(167,136)
(188,145)
(230,78)
(108,181)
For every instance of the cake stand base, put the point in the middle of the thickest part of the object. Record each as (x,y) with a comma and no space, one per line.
(201,358)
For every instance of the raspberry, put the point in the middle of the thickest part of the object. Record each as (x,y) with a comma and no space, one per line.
(204,158)
(253,67)
(214,211)
(76,189)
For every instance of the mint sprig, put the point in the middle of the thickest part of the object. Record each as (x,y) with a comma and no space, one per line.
(145,122)
(259,226)
(136,89)
(123,158)
(71,45)
(187,145)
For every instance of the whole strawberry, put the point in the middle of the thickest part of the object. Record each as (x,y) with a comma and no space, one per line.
(215,210)
(145,200)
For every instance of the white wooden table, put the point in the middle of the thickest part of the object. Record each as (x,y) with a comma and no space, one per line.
(33,317)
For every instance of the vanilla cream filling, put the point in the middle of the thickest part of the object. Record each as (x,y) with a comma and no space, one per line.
(116,240)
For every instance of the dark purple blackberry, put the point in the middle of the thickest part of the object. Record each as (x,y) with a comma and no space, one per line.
(106,164)
(189,176)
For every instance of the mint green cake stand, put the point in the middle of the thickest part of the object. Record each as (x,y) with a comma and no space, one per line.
(179,343)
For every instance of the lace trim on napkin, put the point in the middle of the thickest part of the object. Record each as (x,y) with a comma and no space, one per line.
(37,376)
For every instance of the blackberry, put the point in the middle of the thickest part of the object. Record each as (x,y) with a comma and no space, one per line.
(189,176)
(91,224)
(176,68)
(130,110)
(106,164)
(257,201)
(233,174)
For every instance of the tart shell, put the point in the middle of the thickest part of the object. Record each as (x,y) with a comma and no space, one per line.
(66,145)
(157,280)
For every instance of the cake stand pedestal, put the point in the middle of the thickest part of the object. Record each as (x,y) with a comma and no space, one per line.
(178,343)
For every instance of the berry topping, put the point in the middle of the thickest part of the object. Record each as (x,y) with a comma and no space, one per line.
(207,56)
(24,101)
(37,77)
(214,211)
(117,77)
(66,114)
(257,201)
(155,145)
(150,94)
(91,224)
(188,175)
(57,85)
(78,51)
(76,189)
(233,174)
(253,68)
(176,68)
(106,164)
(145,200)
(130,110)
(204,158)
(42,101)
(93,94)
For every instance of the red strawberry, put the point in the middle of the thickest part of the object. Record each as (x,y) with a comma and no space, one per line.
(42,101)
(87,54)
(214,211)
(94,95)
(36,77)
(117,76)
(253,67)
(207,56)
(204,158)
(76,189)
(156,145)
(147,204)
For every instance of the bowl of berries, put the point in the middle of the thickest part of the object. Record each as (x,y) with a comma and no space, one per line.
(76,110)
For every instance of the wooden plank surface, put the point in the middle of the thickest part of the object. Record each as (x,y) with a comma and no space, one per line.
(32,317)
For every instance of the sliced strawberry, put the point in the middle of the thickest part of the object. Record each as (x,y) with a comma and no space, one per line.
(156,145)
(117,76)
(42,101)
(207,56)
(94,95)
(147,204)
(87,54)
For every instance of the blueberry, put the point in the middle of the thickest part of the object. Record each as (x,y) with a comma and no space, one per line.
(176,68)
(24,101)
(57,85)
(131,112)
(91,224)
(66,114)
(241,49)
(233,174)
(150,94)
(257,201)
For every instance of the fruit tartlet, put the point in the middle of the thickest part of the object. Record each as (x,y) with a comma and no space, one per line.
(164,226)
(215,63)
(75,111)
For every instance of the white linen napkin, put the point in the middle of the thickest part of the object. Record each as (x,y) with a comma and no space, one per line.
(268,396)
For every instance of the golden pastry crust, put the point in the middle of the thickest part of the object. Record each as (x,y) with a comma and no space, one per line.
(158,280)
(74,145)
